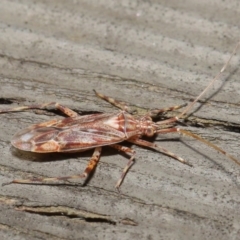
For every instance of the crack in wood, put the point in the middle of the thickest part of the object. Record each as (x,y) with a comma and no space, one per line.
(76,213)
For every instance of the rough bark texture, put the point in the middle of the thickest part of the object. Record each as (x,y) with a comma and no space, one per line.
(150,54)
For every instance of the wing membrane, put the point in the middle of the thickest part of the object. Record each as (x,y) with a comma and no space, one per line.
(69,134)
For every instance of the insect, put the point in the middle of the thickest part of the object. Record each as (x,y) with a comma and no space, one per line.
(78,133)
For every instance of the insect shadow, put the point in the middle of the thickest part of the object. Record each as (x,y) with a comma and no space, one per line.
(211,96)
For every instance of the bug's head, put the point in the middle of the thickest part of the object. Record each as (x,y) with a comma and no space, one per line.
(148,127)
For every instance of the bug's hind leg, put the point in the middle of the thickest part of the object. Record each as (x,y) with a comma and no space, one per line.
(90,167)
(46,106)
(129,152)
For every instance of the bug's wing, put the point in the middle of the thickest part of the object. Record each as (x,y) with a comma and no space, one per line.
(68,135)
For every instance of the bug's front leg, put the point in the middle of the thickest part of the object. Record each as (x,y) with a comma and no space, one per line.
(90,167)
(158,148)
(46,106)
(156,112)
(187,133)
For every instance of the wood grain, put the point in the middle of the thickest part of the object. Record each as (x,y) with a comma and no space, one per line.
(150,54)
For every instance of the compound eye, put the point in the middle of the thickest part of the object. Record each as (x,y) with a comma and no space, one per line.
(149,132)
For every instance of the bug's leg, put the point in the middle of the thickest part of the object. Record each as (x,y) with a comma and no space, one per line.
(124,107)
(156,112)
(92,163)
(46,106)
(90,167)
(113,101)
(158,148)
(129,152)
(187,133)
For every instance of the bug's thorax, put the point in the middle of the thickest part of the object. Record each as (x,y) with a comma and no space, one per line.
(131,125)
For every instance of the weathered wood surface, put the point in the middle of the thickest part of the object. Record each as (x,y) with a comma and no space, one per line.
(151,55)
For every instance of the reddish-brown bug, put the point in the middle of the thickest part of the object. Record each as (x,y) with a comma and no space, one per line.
(80,133)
